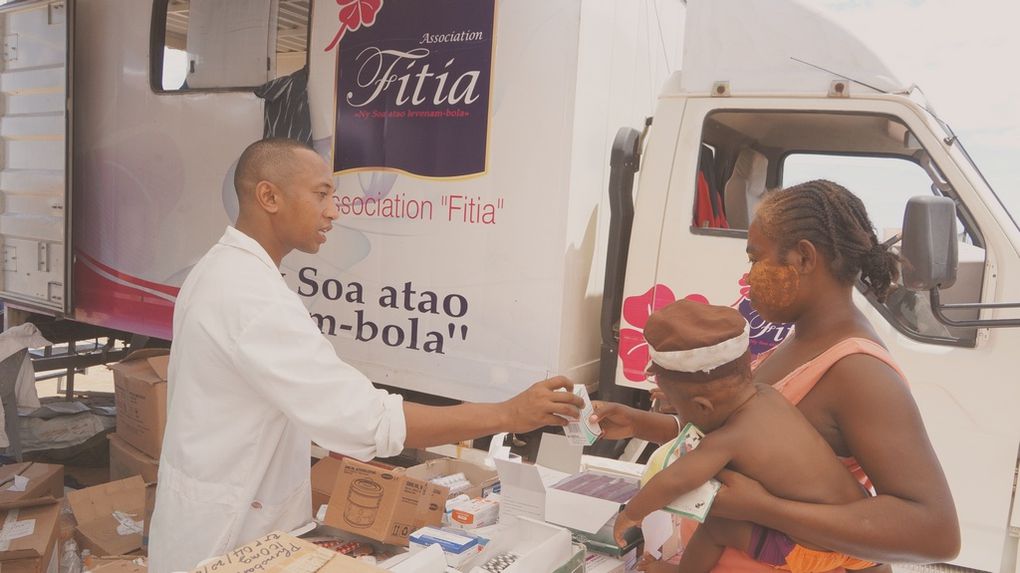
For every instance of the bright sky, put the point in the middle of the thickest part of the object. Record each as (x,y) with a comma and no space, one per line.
(175,68)
(962,55)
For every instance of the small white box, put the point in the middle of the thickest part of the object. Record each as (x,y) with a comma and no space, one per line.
(582,432)
(538,546)
(475,513)
(588,500)
(457,548)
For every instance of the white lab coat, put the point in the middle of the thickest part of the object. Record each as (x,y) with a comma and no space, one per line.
(252,381)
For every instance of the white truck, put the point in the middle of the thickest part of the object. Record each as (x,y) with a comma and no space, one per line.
(497,224)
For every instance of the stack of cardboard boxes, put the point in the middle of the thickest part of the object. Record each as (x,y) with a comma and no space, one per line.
(30,514)
(140,391)
(110,517)
(141,397)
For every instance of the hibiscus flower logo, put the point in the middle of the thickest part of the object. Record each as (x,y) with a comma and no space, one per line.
(354,14)
(636,310)
(745,291)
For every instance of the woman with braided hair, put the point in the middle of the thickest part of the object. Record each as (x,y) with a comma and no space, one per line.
(807,246)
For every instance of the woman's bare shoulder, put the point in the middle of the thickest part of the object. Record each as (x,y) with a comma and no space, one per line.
(859,383)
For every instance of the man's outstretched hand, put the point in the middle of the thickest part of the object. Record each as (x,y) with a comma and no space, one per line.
(539,405)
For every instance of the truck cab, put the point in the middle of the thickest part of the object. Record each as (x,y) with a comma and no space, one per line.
(745,116)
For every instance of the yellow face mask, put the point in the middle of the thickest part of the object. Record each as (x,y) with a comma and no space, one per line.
(772,286)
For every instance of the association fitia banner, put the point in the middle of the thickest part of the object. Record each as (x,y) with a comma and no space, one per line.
(413,89)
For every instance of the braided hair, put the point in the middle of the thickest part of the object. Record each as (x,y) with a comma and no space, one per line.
(836,222)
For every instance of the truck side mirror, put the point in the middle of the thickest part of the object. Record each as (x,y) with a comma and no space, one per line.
(929,250)
(929,261)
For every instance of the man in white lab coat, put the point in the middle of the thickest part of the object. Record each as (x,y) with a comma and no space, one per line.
(252,380)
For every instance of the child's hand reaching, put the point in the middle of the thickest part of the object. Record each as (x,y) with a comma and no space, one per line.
(623,523)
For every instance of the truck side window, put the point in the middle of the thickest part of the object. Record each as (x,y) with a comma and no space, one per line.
(226,44)
(710,210)
(885,185)
(746,153)
(731,176)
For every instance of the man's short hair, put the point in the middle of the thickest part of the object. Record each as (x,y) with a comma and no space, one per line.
(265,160)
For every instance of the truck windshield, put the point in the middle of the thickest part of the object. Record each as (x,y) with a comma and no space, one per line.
(1011,210)
(1011,207)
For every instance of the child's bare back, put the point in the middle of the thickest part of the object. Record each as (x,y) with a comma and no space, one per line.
(770,441)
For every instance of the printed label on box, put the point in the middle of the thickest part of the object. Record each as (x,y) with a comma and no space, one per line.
(582,432)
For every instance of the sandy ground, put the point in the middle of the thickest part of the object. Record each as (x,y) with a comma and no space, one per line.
(95,379)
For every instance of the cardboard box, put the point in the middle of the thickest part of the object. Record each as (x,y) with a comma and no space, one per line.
(332,535)
(588,500)
(140,392)
(324,474)
(523,487)
(127,460)
(538,546)
(282,553)
(383,504)
(483,480)
(102,509)
(118,565)
(150,505)
(584,501)
(30,535)
(30,480)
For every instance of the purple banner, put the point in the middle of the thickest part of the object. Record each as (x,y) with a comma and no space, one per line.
(412,90)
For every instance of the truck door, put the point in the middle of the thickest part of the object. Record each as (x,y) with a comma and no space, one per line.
(35,166)
(885,149)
